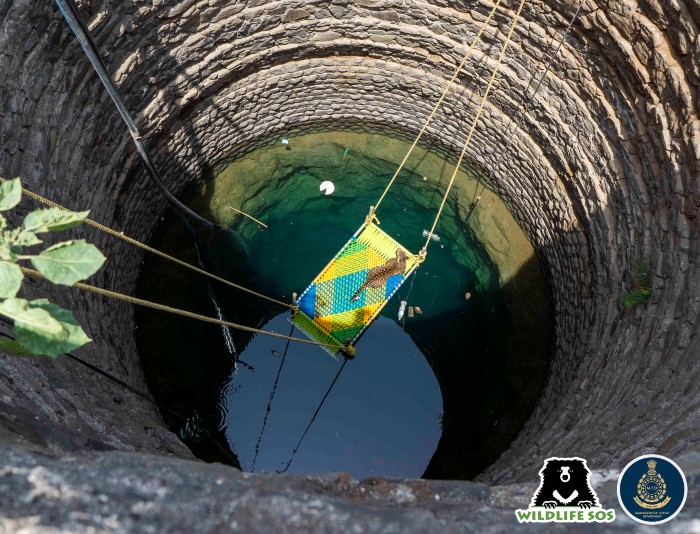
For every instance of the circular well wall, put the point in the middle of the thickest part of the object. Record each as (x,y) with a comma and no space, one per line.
(600,174)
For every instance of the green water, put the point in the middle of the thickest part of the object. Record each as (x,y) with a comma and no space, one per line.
(412,380)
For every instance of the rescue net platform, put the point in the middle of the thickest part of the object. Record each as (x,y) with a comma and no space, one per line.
(328,313)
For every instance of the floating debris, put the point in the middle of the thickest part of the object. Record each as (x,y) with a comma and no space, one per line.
(327,187)
(260,223)
(433,236)
(467,295)
(402,309)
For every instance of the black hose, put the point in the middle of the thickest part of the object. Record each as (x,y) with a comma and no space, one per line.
(75,20)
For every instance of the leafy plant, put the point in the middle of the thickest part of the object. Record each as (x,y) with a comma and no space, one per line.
(41,327)
(641,289)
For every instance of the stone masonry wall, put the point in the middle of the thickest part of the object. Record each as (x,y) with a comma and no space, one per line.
(601,169)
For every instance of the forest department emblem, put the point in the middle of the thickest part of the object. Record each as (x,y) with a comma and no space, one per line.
(651,489)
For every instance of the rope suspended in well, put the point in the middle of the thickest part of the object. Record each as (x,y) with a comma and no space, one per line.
(269,402)
(131,240)
(525,101)
(349,350)
(456,72)
(313,418)
(473,125)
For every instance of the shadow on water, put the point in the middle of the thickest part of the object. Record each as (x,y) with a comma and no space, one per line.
(483,417)
(440,394)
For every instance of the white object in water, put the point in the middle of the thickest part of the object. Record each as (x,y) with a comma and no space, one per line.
(327,187)
(402,309)
(284,141)
(434,237)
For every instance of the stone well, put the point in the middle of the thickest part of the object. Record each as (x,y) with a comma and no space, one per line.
(601,169)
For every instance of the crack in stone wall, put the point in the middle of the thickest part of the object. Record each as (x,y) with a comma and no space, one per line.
(602,170)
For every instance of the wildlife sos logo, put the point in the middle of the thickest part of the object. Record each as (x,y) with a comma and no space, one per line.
(652,489)
(565,495)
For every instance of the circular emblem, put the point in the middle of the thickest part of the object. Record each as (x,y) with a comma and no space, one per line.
(652,489)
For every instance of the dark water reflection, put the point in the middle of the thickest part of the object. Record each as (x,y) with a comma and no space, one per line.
(382,416)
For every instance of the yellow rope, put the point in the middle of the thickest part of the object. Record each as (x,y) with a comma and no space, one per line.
(476,119)
(152,250)
(184,313)
(371,215)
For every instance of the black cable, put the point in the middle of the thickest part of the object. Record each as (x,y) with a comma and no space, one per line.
(269,402)
(294,451)
(150,399)
(75,20)
(141,394)
(523,105)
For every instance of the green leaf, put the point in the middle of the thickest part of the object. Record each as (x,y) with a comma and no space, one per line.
(32,322)
(10,194)
(70,335)
(44,328)
(10,345)
(6,251)
(27,239)
(52,220)
(633,298)
(69,262)
(10,279)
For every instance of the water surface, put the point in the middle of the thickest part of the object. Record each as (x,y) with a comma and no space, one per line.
(386,414)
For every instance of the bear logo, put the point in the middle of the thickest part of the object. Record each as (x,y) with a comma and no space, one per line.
(565,482)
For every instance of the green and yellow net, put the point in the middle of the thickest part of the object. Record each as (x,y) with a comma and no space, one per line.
(326,312)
